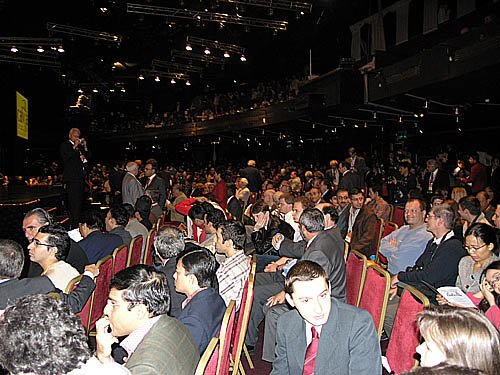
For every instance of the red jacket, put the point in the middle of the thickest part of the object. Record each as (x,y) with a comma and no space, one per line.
(478,178)
(184,207)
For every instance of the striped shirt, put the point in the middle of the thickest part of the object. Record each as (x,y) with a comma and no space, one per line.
(232,275)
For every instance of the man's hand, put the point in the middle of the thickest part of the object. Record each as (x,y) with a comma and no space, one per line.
(77,142)
(261,223)
(277,299)
(271,267)
(104,340)
(276,239)
(394,287)
(92,268)
(394,242)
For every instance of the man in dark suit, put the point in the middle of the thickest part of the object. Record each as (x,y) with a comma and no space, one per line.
(326,190)
(348,179)
(253,176)
(169,243)
(434,180)
(204,308)
(323,335)
(11,288)
(137,310)
(75,154)
(361,225)
(357,164)
(154,182)
(115,181)
(116,220)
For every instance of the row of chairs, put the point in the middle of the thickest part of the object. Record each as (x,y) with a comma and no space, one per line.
(224,353)
(405,335)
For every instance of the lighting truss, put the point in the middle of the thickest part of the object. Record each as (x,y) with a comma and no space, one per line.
(28,55)
(198,57)
(159,73)
(215,44)
(97,35)
(90,85)
(205,16)
(176,66)
(23,41)
(276,4)
(48,63)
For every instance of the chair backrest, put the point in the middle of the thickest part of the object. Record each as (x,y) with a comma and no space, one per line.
(374,299)
(120,257)
(391,215)
(101,292)
(243,318)
(225,336)
(134,255)
(399,216)
(72,284)
(148,250)
(157,224)
(405,334)
(347,247)
(356,273)
(389,228)
(379,231)
(208,361)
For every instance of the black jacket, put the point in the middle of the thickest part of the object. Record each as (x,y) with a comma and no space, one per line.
(262,239)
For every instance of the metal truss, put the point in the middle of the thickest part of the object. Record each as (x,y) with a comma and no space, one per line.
(214,44)
(16,59)
(24,41)
(205,16)
(98,35)
(276,4)
(159,73)
(198,57)
(28,55)
(175,66)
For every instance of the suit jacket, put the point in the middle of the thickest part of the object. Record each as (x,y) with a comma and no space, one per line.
(478,177)
(168,348)
(73,165)
(123,233)
(176,298)
(116,179)
(203,316)
(348,343)
(158,184)
(254,178)
(174,215)
(262,239)
(364,231)
(131,189)
(235,208)
(13,289)
(442,181)
(349,181)
(97,245)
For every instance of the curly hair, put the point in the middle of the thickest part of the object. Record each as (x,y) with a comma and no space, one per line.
(40,334)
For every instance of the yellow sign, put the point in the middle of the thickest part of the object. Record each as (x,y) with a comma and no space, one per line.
(22,116)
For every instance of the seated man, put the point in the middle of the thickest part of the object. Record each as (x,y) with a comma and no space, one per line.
(195,212)
(405,245)
(116,219)
(286,212)
(344,205)
(143,211)
(233,272)
(169,243)
(377,203)
(469,209)
(204,308)
(137,308)
(486,207)
(323,335)
(49,247)
(11,288)
(96,243)
(134,227)
(32,222)
(361,225)
(214,218)
(25,350)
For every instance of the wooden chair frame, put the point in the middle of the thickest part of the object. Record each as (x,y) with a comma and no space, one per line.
(149,245)
(347,247)
(223,333)
(115,254)
(92,298)
(388,224)
(72,284)
(207,355)
(132,243)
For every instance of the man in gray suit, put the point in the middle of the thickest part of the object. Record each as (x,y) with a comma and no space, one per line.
(131,187)
(323,335)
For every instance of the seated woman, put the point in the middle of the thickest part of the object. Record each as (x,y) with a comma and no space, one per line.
(481,244)
(203,310)
(461,337)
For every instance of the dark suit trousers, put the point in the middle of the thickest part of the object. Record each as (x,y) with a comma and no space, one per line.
(271,324)
(74,190)
(267,284)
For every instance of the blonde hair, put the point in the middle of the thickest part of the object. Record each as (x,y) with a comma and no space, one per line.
(466,337)
(458,193)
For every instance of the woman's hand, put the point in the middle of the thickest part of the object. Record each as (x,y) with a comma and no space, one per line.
(487,292)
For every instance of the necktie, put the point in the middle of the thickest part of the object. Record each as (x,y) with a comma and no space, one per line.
(311,353)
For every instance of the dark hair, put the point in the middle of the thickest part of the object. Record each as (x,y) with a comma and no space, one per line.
(235,231)
(421,203)
(304,270)
(92,219)
(470,203)
(288,198)
(377,188)
(435,197)
(216,217)
(154,194)
(341,191)
(484,305)
(40,334)
(130,210)
(120,214)
(313,220)
(259,206)
(405,164)
(305,201)
(169,241)
(415,193)
(58,238)
(154,164)
(143,206)
(42,216)
(202,264)
(11,259)
(329,209)
(197,211)
(142,283)
(356,191)
(485,233)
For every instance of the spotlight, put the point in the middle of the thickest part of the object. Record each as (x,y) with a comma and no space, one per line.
(400,120)
(374,115)
(40,49)
(188,47)
(123,89)
(103,9)
(111,90)
(264,120)
(172,81)
(157,79)
(60,49)
(457,111)
(207,51)
(141,77)
(14,49)
(80,91)
(95,90)
(188,83)
(243,58)
(226,54)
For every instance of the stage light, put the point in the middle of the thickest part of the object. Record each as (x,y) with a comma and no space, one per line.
(95,90)
(14,49)
(157,79)
(172,81)
(60,49)
(243,58)
(226,54)
(123,89)
(111,90)
(207,51)
(80,91)
(103,9)
(40,49)
(141,77)
(188,83)
(188,47)
(400,120)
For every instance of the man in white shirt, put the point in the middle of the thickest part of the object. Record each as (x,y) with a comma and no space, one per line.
(286,210)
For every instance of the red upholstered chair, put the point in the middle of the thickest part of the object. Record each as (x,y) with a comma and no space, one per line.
(399,216)
(176,224)
(99,298)
(374,299)
(242,324)
(347,247)
(134,255)
(209,359)
(120,257)
(388,229)
(225,338)
(356,273)
(148,254)
(379,231)
(405,334)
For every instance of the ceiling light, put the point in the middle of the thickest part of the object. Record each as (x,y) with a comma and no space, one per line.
(157,79)
(14,49)
(111,90)
(80,91)
(207,51)
(60,49)
(188,47)
(226,54)
(40,49)
(123,89)
(172,81)
(95,90)
(188,83)
(104,10)
(243,58)
(141,77)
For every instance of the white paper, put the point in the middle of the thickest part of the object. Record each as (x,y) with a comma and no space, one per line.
(456,296)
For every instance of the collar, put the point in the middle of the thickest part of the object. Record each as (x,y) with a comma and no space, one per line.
(133,340)
(186,301)
(152,176)
(447,236)
(70,141)
(49,267)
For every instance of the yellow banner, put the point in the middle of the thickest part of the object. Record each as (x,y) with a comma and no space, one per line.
(22,116)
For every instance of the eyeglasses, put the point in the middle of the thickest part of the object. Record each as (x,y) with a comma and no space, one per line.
(38,243)
(429,216)
(130,304)
(494,280)
(472,249)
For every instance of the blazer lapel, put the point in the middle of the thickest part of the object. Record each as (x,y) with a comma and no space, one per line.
(328,341)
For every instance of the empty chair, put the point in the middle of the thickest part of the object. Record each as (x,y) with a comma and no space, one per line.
(134,255)
(356,272)
(120,257)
